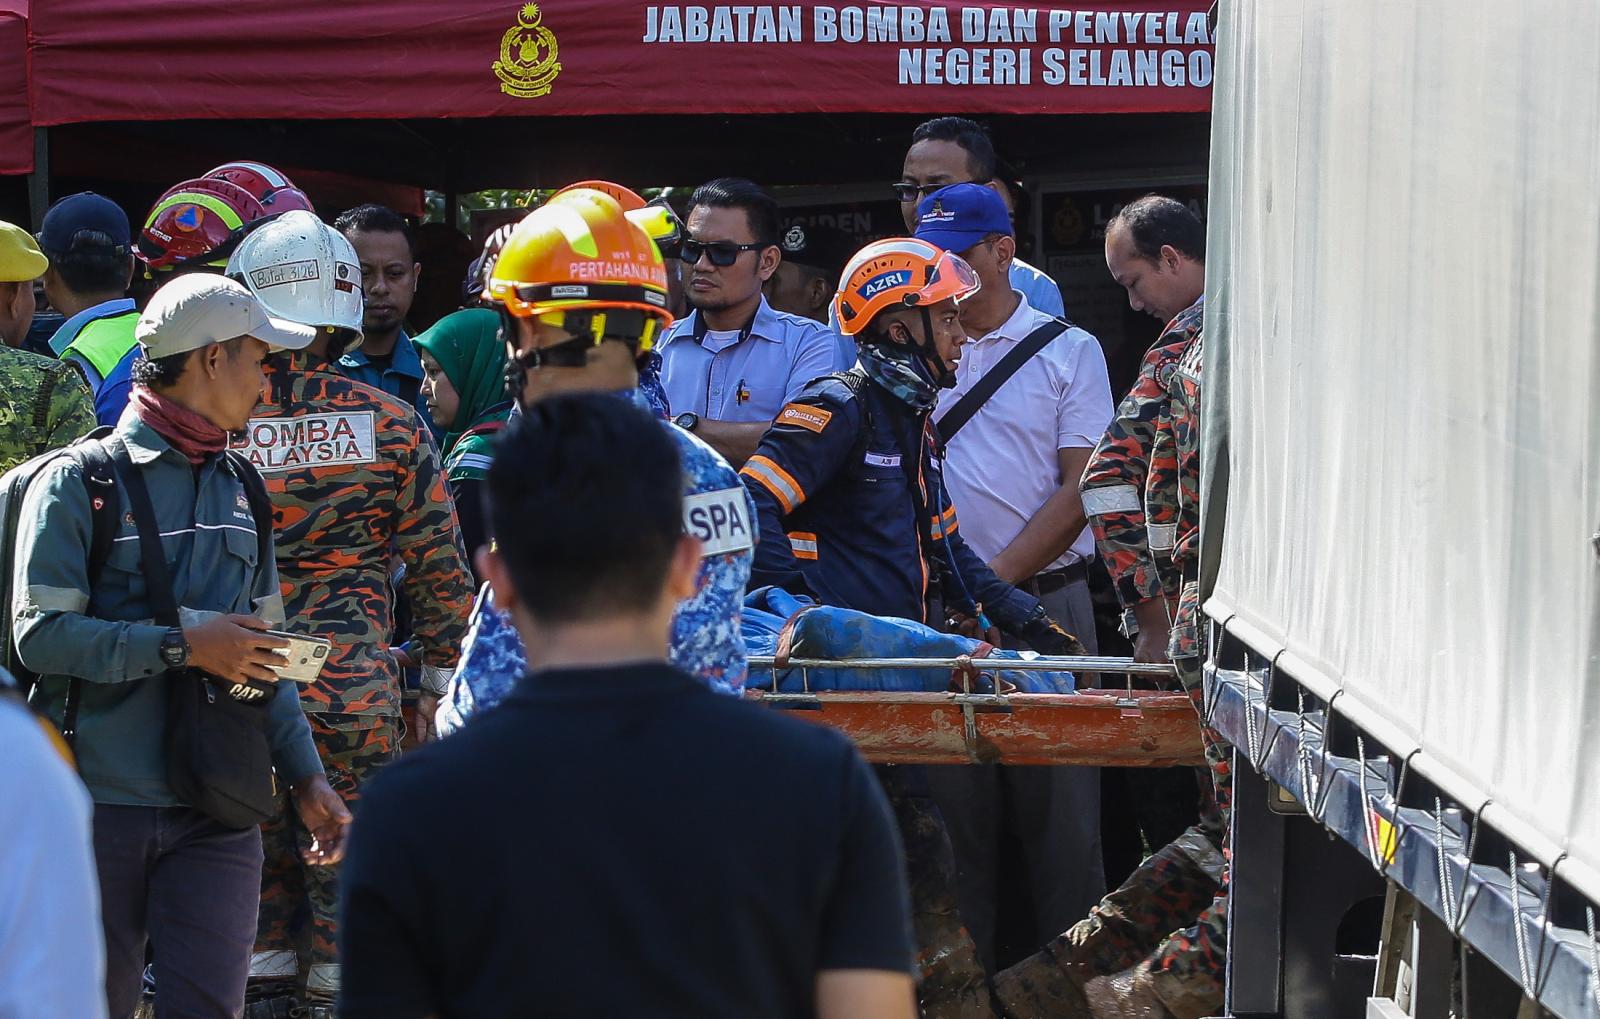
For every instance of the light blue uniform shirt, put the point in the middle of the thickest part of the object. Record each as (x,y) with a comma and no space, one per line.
(1040,290)
(738,377)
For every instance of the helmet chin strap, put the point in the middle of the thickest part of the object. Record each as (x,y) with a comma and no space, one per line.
(943,377)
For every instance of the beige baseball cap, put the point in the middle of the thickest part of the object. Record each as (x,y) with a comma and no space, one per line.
(200,309)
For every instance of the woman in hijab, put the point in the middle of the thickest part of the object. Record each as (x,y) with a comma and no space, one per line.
(465,362)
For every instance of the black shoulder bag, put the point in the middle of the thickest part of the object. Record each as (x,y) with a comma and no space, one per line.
(969,405)
(219,759)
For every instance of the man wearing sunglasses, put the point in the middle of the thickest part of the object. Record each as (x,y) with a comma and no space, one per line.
(735,361)
(955,150)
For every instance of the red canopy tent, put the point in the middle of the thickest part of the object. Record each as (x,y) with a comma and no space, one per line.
(16,131)
(137,60)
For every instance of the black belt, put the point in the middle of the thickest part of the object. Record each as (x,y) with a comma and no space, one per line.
(1041,584)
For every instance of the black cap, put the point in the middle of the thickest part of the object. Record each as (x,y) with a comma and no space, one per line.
(823,248)
(85,212)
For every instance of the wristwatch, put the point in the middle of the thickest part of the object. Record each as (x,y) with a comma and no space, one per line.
(687,421)
(174,649)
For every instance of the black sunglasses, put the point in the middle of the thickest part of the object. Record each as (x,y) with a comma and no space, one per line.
(721,253)
(906,191)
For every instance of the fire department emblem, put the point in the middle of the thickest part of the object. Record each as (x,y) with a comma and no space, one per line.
(528,62)
(795,239)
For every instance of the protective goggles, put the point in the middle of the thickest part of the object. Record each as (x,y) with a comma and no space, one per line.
(948,277)
(721,253)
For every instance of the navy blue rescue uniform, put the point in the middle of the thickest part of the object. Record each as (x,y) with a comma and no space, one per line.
(853,510)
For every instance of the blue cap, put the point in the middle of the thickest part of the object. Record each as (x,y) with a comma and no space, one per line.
(960,216)
(85,211)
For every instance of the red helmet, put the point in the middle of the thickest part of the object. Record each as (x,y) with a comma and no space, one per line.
(272,188)
(197,221)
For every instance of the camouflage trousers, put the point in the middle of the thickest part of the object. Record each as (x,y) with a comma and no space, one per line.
(1168,920)
(296,936)
(952,982)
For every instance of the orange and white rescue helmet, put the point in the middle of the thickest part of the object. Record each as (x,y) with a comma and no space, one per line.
(898,272)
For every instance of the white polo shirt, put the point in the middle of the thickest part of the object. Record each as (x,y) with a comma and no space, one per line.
(1003,464)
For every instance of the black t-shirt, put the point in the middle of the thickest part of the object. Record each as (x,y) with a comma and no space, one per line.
(619,842)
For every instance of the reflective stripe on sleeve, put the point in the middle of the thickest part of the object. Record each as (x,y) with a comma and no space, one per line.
(1111,499)
(271,609)
(804,544)
(283,963)
(775,480)
(54,599)
(435,680)
(1161,536)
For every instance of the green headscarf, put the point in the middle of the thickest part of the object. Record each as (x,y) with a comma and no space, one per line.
(468,348)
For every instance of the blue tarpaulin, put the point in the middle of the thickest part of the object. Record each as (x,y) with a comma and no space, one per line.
(835,633)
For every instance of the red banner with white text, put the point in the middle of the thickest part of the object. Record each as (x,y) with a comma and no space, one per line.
(99,60)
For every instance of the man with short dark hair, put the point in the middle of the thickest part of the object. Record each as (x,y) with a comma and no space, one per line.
(731,365)
(1155,249)
(955,150)
(89,243)
(170,873)
(386,359)
(813,257)
(696,869)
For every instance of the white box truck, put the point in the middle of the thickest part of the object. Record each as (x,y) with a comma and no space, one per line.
(1401,505)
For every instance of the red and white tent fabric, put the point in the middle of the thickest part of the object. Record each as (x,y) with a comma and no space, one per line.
(16,129)
(133,60)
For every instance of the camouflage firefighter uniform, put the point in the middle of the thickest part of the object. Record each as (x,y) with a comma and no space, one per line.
(355,481)
(1162,933)
(1186,971)
(44,405)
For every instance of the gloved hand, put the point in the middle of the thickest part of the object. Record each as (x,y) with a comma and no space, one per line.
(1046,636)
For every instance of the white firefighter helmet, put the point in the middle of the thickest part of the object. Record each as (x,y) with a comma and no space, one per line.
(303,270)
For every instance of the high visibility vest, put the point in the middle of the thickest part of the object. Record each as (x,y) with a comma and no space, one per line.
(104,342)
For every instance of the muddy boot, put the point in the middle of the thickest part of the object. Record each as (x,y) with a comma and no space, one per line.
(1042,986)
(1130,994)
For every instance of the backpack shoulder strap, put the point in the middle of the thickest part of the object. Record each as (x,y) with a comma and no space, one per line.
(100,481)
(968,406)
(255,492)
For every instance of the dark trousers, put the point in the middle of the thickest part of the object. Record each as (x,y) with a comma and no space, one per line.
(174,878)
(1026,839)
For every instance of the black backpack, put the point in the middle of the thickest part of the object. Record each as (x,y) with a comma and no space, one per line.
(100,481)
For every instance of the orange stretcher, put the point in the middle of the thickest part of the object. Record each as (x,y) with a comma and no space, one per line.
(1100,727)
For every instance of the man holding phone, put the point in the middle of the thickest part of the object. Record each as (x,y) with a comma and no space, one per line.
(168,872)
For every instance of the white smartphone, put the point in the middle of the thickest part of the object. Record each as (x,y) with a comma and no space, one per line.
(305,656)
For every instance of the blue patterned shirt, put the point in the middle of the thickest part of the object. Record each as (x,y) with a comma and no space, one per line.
(706,639)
